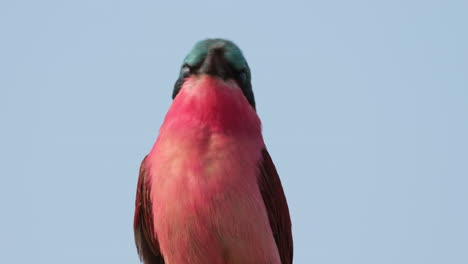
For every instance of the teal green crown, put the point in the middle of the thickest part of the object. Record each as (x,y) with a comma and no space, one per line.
(233,65)
(232,53)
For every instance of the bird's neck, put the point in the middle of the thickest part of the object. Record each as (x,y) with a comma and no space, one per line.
(212,104)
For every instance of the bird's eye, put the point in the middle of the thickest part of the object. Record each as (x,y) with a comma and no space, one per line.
(243,76)
(185,71)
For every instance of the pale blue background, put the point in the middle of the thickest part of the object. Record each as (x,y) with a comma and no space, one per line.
(364,106)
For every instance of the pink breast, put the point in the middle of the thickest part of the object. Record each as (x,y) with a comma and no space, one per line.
(204,166)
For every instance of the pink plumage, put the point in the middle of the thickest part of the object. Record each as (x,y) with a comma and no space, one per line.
(201,195)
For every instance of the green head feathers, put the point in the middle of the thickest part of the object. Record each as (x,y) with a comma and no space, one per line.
(220,58)
(232,53)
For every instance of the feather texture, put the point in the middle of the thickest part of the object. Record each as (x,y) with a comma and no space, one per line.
(277,207)
(145,238)
(208,191)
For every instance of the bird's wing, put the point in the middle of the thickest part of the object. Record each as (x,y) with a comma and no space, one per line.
(145,237)
(277,207)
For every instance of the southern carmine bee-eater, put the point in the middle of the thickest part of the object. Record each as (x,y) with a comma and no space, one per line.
(208,192)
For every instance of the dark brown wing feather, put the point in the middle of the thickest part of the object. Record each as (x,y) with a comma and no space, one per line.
(145,238)
(277,208)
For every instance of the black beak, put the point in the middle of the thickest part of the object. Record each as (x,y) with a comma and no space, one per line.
(215,64)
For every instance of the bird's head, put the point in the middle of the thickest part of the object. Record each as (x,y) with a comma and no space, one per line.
(218,58)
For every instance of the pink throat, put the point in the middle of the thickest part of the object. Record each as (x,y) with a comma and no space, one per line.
(211,102)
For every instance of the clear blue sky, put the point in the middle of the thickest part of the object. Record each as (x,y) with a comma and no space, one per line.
(364,107)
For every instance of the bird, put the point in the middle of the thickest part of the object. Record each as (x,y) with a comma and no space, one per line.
(208,191)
